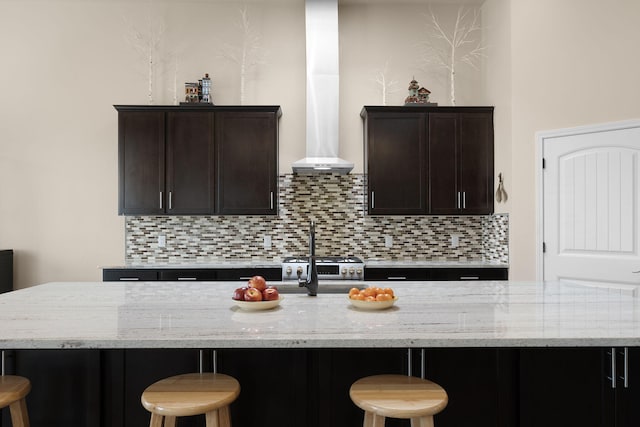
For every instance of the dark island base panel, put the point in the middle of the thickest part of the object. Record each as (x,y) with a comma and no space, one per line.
(310,387)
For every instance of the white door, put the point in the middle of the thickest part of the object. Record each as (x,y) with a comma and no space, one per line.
(591,194)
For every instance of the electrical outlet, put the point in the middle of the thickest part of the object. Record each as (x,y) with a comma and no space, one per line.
(267,242)
(388,241)
(455,240)
(162,241)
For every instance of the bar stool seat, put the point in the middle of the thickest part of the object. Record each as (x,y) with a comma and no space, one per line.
(398,396)
(191,394)
(13,390)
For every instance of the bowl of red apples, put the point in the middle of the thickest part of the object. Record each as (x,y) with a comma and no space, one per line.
(256,295)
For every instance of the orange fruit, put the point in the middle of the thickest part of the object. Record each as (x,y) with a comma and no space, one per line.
(353,291)
(357,296)
(384,297)
(369,292)
(388,291)
(370,298)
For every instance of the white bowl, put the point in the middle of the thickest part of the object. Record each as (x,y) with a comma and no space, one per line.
(373,305)
(258,305)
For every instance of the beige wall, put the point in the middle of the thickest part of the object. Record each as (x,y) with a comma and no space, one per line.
(573,63)
(66,62)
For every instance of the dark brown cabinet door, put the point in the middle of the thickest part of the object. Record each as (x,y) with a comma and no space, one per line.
(190,163)
(461,163)
(444,168)
(476,162)
(141,162)
(396,163)
(247,162)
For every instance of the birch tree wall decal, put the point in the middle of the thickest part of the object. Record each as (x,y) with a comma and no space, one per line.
(385,84)
(449,47)
(248,54)
(146,41)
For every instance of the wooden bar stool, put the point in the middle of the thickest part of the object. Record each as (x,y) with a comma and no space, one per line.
(13,390)
(191,394)
(398,396)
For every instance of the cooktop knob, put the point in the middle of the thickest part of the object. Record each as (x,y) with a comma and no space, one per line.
(351,271)
(288,270)
(344,271)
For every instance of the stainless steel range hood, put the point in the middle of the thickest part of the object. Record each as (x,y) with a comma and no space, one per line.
(321,19)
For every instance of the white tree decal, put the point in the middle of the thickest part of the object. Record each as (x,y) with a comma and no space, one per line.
(385,84)
(248,54)
(146,42)
(448,48)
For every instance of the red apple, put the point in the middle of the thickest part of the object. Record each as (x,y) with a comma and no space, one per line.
(270,294)
(258,282)
(238,294)
(252,294)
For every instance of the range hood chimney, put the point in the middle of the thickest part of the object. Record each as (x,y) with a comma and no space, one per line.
(321,19)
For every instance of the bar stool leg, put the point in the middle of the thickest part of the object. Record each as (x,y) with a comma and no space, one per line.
(373,420)
(225,417)
(19,414)
(156,420)
(169,421)
(422,422)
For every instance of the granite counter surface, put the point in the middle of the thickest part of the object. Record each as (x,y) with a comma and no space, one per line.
(427,314)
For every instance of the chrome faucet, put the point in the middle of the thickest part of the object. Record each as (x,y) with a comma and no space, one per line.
(311,282)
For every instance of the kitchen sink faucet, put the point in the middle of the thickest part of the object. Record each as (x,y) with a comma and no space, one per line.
(311,282)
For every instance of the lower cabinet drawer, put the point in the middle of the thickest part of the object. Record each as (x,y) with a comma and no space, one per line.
(128,274)
(188,275)
(436,274)
(469,274)
(241,274)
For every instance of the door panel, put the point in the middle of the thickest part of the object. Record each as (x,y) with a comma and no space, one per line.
(247,163)
(443,164)
(476,163)
(141,158)
(190,163)
(591,194)
(396,157)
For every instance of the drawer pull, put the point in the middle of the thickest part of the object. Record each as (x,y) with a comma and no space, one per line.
(129,279)
(187,278)
(469,277)
(396,278)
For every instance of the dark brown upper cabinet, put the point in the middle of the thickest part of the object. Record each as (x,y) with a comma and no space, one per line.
(198,160)
(247,160)
(429,160)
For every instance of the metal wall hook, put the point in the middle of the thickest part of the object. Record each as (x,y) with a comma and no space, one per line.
(501,194)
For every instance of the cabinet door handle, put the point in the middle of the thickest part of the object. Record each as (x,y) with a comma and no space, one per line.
(458,204)
(464,200)
(170,200)
(271,201)
(612,377)
(161,200)
(625,367)
(373,199)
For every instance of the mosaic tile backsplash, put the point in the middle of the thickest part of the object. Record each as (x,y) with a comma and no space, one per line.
(336,203)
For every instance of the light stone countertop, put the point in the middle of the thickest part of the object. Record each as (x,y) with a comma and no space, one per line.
(427,314)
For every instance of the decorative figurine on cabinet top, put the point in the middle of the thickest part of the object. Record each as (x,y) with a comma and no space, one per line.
(418,95)
(198,93)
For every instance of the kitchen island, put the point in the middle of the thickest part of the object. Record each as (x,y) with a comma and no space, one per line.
(426,315)
(495,346)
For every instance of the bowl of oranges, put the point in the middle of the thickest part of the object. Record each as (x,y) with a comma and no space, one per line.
(372,298)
